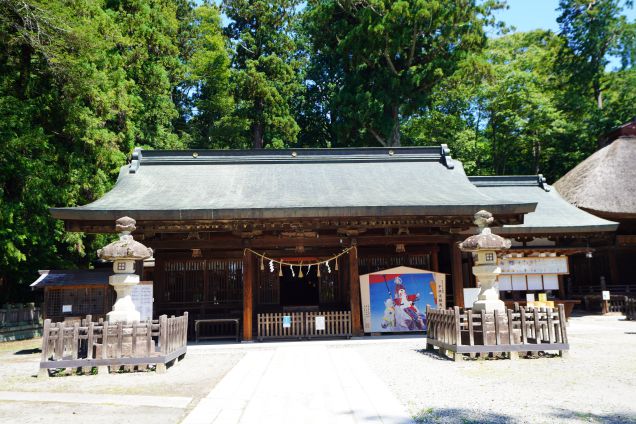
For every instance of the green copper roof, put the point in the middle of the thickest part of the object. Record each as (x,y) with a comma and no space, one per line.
(248,184)
(553,214)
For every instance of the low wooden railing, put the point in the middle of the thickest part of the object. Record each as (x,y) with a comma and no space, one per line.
(20,316)
(89,344)
(303,325)
(519,330)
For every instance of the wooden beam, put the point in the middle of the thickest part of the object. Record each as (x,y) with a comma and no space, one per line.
(354,293)
(458,278)
(273,242)
(248,295)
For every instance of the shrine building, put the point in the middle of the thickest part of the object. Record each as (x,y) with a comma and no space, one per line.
(212,215)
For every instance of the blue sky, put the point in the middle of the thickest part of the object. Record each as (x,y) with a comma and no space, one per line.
(527,15)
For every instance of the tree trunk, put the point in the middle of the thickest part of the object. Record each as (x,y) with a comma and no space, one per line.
(257,126)
(394,137)
(25,70)
(598,93)
(257,135)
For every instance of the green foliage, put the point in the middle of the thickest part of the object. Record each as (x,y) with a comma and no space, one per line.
(265,72)
(82,82)
(392,54)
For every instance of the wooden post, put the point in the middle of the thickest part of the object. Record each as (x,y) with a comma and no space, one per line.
(435,259)
(248,295)
(354,293)
(458,278)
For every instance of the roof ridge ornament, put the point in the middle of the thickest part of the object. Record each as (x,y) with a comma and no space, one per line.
(135,160)
(446,156)
(543,182)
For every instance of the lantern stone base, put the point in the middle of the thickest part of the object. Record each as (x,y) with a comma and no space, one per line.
(489,305)
(124,308)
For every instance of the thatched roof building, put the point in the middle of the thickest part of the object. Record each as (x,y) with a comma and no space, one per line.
(604,183)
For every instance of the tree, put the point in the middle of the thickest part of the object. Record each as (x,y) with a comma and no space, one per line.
(264,68)
(392,55)
(149,47)
(211,117)
(591,29)
(499,113)
(63,103)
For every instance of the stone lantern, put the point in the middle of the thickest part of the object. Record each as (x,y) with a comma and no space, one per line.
(484,247)
(124,252)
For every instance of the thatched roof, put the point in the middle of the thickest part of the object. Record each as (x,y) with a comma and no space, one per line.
(605,182)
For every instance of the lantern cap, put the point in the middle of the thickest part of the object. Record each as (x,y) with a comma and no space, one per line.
(485,239)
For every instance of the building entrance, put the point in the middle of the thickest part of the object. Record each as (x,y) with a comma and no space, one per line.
(299,291)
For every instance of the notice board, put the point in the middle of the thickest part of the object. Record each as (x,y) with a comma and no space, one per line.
(142,297)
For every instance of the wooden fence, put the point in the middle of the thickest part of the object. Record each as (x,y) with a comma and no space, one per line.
(89,344)
(20,316)
(303,325)
(630,309)
(519,330)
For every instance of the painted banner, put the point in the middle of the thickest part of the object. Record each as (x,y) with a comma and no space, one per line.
(394,300)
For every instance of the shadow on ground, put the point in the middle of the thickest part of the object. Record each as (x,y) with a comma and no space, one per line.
(459,416)
(432,355)
(28,351)
(466,416)
(589,417)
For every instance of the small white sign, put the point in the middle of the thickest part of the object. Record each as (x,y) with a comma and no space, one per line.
(529,297)
(286,321)
(606,295)
(67,309)
(320,323)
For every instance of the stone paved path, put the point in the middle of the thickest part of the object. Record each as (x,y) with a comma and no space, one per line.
(310,383)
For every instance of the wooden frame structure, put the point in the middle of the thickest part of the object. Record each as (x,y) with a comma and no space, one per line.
(98,344)
(456,333)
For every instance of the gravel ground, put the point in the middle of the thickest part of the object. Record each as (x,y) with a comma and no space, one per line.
(596,383)
(193,377)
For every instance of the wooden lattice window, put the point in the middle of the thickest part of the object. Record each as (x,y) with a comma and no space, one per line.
(369,264)
(83,301)
(218,281)
(268,287)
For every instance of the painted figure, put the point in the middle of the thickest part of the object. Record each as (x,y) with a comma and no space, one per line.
(388,321)
(407,316)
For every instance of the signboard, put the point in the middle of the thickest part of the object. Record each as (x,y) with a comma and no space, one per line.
(142,297)
(320,323)
(606,295)
(286,321)
(530,297)
(394,300)
(67,309)
(534,265)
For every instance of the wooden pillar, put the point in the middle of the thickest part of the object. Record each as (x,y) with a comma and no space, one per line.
(354,293)
(435,259)
(458,278)
(613,266)
(248,295)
